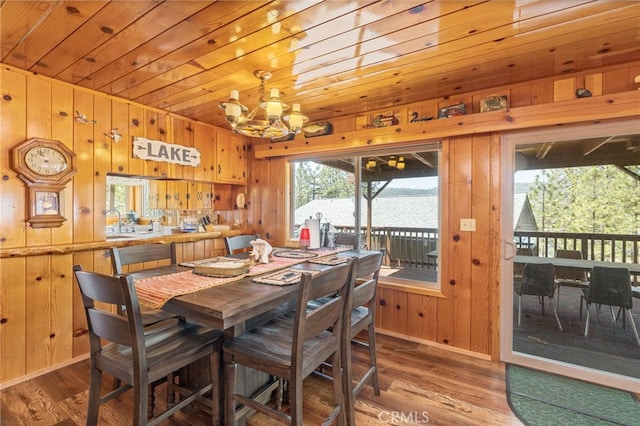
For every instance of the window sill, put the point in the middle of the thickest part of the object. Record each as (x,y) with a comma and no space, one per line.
(411,286)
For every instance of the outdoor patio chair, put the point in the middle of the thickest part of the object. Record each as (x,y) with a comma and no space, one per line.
(609,286)
(537,280)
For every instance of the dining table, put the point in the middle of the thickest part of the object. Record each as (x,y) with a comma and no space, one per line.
(232,304)
(584,265)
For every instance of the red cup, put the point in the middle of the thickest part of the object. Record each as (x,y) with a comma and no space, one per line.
(305,238)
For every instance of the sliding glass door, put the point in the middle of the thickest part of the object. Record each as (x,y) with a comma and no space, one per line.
(573,193)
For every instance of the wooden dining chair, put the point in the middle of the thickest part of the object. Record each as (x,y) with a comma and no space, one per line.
(359,316)
(292,346)
(123,348)
(239,243)
(152,255)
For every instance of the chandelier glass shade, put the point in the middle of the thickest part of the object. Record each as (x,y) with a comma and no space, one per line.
(245,122)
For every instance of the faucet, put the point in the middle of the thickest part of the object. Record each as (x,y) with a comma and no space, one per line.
(119,218)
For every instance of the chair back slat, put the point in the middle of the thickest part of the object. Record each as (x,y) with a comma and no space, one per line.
(239,243)
(336,281)
(369,270)
(142,253)
(102,293)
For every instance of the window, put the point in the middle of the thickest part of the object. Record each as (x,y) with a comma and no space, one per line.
(398,207)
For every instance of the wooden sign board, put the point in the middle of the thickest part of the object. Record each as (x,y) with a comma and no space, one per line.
(147,149)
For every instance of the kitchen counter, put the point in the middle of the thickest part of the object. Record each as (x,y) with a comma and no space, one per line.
(185,237)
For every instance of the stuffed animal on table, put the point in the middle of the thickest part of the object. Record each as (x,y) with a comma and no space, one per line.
(261,250)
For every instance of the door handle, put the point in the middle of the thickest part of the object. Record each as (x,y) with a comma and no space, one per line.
(510,253)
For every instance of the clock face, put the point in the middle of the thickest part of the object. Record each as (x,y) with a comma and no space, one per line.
(45,161)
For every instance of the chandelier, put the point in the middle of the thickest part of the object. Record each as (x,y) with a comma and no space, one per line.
(245,122)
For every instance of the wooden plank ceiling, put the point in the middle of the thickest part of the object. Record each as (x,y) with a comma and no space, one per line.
(332,57)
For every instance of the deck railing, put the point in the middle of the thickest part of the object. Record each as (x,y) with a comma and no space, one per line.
(417,247)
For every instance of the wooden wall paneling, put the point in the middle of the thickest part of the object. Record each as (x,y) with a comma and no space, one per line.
(463,164)
(62,116)
(482,197)
(520,96)
(199,250)
(13,117)
(564,89)
(421,316)
(80,330)
(61,328)
(13,315)
(634,77)
(38,126)
(342,125)
(204,142)
(188,252)
(400,313)
(494,220)
(120,150)
(541,92)
(136,129)
(448,278)
(183,134)
(101,163)
(38,296)
(257,197)
(593,82)
(616,81)
(83,215)
(151,131)
(268,195)
(384,306)
(282,188)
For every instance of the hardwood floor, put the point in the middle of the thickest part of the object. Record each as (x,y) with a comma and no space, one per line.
(419,385)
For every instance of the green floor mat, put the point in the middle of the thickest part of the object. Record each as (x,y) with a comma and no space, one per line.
(543,399)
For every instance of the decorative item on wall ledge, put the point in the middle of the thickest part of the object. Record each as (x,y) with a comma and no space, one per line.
(245,122)
(289,137)
(452,111)
(318,129)
(583,93)
(414,117)
(493,103)
(386,119)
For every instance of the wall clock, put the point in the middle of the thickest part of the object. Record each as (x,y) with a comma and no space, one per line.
(46,166)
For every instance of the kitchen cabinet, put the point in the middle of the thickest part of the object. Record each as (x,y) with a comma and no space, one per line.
(177,194)
(204,141)
(157,194)
(199,196)
(231,159)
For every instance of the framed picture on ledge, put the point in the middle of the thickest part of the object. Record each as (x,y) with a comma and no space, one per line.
(493,103)
(452,111)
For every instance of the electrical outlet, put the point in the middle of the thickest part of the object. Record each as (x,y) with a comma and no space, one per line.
(467,224)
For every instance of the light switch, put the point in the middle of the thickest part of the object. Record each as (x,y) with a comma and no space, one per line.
(467,224)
